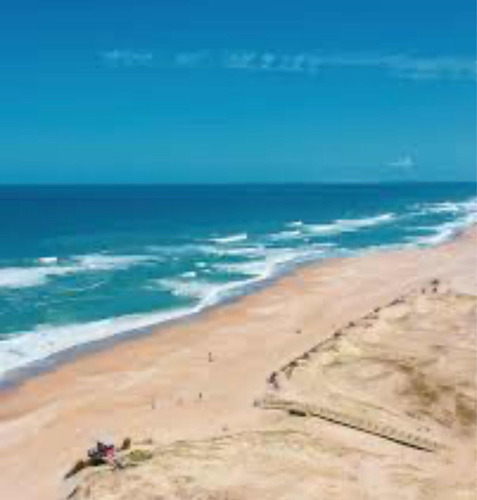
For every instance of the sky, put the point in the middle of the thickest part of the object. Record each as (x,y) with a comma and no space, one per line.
(95,91)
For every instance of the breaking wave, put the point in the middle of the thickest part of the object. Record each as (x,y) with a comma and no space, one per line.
(348,225)
(233,238)
(466,216)
(33,276)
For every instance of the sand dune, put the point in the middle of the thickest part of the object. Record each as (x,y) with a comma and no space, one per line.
(385,409)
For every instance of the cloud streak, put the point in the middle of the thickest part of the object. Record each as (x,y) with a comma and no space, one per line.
(403,163)
(307,63)
(128,58)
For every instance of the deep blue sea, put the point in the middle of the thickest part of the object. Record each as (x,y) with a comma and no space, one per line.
(79,264)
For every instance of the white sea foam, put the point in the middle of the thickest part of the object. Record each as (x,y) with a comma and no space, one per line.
(438,236)
(278,258)
(189,274)
(348,225)
(275,259)
(233,238)
(295,223)
(168,251)
(251,268)
(48,260)
(105,262)
(201,249)
(255,271)
(287,235)
(201,290)
(446,207)
(248,251)
(446,231)
(24,277)
(23,348)
(208,293)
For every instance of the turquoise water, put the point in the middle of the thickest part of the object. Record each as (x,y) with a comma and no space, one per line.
(79,264)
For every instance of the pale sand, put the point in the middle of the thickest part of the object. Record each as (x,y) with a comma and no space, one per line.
(150,387)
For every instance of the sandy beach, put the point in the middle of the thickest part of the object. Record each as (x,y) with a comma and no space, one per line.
(198,380)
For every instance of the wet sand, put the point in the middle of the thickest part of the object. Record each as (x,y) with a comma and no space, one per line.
(199,378)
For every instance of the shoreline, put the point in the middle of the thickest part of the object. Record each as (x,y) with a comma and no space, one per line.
(12,379)
(17,376)
(164,387)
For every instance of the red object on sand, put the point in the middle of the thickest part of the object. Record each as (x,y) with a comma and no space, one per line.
(110,453)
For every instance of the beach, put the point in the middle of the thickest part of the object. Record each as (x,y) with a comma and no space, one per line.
(199,378)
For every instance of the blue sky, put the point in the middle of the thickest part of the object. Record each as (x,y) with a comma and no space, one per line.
(237,91)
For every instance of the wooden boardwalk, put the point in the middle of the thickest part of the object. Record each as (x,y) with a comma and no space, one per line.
(356,422)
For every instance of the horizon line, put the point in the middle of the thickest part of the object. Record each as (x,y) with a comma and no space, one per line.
(239,183)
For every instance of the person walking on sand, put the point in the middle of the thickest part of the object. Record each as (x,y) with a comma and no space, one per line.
(272,380)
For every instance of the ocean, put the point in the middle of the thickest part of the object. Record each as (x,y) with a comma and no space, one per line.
(85,263)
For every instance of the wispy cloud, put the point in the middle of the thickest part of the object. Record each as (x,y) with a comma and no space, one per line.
(403,163)
(421,68)
(308,63)
(271,61)
(127,58)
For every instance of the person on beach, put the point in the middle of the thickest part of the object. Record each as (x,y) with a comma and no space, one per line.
(272,380)
(103,452)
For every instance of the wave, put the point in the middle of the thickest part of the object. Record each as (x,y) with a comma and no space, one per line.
(194,249)
(295,223)
(178,250)
(233,238)
(300,230)
(24,277)
(274,262)
(23,348)
(287,235)
(189,274)
(446,231)
(199,250)
(34,276)
(104,262)
(248,251)
(207,292)
(348,225)
(446,207)
(48,260)
(250,268)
